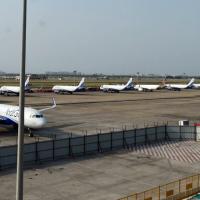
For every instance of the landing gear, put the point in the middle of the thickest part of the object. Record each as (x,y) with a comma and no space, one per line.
(5,93)
(30,132)
(63,92)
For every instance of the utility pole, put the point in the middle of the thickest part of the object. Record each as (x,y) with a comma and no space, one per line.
(20,147)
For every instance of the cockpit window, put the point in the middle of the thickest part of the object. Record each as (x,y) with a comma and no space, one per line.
(37,116)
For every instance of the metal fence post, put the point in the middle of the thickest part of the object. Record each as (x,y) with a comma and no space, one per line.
(111,142)
(69,146)
(98,143)
(195,133)
(145,132)
(36,151)
(123,139)
(53,143)
(165,132)
(180,130)
(135,137)
(84,143)
(156,133)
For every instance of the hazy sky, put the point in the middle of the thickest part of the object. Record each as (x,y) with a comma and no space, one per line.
(108,36)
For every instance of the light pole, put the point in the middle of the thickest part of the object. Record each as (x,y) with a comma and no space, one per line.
(20,147)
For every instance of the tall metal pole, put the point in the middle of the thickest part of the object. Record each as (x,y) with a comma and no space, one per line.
(20,147)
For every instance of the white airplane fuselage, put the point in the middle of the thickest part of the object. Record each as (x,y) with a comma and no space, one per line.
(196,85)
(180,86)
(64,88)
(116,88)
(112,87)
(6,90)
(9,115)
(69,88)
(9,89)
(142,87)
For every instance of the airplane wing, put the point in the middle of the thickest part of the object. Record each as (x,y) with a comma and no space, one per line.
(51,107)
(173,88)
(114,90)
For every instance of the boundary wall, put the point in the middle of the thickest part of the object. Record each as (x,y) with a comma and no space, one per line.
(39,152)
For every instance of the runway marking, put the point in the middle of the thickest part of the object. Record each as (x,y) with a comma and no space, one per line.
(183,151)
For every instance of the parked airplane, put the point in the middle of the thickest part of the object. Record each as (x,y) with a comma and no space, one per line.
(61,89)
(6,90)
(33,119)
(116,88)
(180,86)
(196,85)
(141,87)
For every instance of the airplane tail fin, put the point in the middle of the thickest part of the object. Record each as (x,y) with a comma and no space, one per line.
(130,81)
(82,83)
(27,80)
(191,82)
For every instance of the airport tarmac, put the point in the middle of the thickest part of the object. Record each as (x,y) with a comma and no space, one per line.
(113,175)
(92,112)
(103,176)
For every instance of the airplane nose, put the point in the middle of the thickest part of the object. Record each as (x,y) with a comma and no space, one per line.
(44,121)
(41,122)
